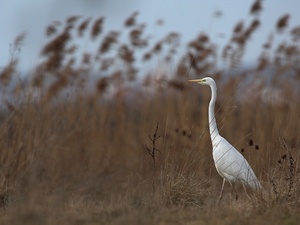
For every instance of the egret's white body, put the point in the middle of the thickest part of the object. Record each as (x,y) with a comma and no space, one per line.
(229,162)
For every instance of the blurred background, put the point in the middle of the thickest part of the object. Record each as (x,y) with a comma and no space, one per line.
(189,18)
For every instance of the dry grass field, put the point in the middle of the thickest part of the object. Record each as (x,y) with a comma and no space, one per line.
(93,138)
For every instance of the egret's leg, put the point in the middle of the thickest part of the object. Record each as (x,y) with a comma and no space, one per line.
(233,190)
(236,195)
(222,189)
(246,192)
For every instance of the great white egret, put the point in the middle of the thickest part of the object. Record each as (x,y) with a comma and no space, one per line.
(230,164)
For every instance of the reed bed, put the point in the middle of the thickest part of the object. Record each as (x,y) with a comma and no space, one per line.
(93,138)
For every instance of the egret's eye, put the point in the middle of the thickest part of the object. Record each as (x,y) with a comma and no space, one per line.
(204,80)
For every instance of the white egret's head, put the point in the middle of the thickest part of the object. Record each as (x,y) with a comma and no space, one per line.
(204,81)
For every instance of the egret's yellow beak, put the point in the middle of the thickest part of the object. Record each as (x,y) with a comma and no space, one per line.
(196,81)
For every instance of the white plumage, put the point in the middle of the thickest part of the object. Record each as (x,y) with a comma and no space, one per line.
(230,163)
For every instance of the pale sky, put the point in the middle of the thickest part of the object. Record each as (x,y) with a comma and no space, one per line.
(188,17)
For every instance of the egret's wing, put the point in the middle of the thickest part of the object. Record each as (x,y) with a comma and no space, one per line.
(232,165)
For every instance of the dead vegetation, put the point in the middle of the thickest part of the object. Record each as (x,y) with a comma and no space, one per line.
(73,133)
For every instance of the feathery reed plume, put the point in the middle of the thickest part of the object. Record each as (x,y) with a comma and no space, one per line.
(135,37)
(282,22)
(72,19)
(251,29)
(157,47)
(86,58)
(239,27)
(55,49)
(51,29)
(147,56)
(97,28)
(256,8)
(106,63)
(83,26)
(263,62)
(59,84)
(72,49)
(7,72)
(19,41)
(102,84)
(131,21)
(126,54)
(295,32)
(110,39)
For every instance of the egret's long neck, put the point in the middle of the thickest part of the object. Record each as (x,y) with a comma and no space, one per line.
(211,114)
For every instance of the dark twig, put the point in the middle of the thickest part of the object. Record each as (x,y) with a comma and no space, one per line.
(152,153)
(292,173)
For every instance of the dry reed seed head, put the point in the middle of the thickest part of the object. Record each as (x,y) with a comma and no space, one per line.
(263,63)
(38,78)
(51,30)
(72,19)
(251,29)
(295,33)
(126,54)
(292,50)
(238,27)
(256,147)
(56,87)
(147,56)
(242,149)
(102,84)
(157,47)
(7,73)
(254,25)
(135,37)
(131,73)
(97,28)
(83,26)
(71,62)
(19,41)
(110,39)
(172,38)
(226,51)
(268,43)
(58,44)
(256,8)
(86,58)
(131,21)
(203,38)
(53,62)
(106,63)
(196,45)
(116,76)
(282,22)
(72,49)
